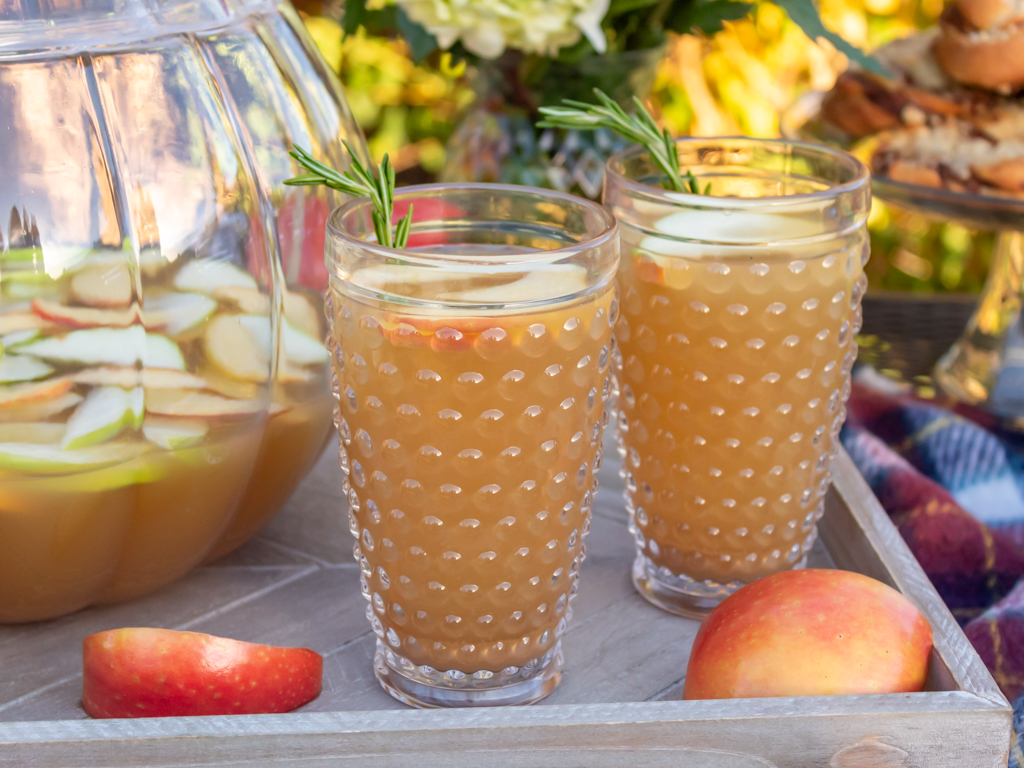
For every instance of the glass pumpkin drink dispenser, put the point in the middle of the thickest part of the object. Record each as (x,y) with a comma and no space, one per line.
(164,384)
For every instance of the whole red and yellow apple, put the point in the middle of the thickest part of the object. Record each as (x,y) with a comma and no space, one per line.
(810,633)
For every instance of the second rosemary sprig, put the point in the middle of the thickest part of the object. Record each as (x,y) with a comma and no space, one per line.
(359,182)
(639,128)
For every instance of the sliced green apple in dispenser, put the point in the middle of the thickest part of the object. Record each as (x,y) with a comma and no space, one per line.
(104,413)
(15,368)
(175,313)
(109,346)
(36,459)
(173,434)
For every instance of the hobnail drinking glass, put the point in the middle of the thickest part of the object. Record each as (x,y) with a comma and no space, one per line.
(473,377)
(739,310)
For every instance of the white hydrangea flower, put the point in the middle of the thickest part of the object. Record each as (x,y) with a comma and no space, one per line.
(487,27)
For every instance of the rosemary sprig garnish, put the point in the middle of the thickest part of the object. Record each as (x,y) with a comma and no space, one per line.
(639,128)
(359,182)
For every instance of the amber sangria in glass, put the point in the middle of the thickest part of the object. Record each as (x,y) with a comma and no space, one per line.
(473,377)
(739,311)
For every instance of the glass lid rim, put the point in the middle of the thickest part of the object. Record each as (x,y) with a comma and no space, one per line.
(607,236)
(861,175)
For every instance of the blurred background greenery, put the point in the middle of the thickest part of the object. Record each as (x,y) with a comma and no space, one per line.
(735,82)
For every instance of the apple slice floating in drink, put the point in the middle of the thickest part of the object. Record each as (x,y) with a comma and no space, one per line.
(15,368)
(34,392)
(191,404)
(127,378)
(175,313)
(35,459)
(173,434)
(39,410)
(12,322)
(235,349)
(101,416)
(15,339)
(109,346)
(209,275)
(84,317)
(103,286)
(297,308)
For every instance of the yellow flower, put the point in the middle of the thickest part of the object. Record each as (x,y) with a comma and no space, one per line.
(487,27)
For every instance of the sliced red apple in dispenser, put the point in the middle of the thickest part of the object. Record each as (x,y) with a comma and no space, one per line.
(109,346)
(34,392)
(36,459)
(104,413)
(209,275)
(173,434)
(39,410)
(103,285)
(188,403)
(16,368)
(84,317)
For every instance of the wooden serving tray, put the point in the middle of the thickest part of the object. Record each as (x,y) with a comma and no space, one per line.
(618,705)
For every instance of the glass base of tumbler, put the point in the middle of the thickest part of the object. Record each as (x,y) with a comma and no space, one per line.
(426,688)
(678,593)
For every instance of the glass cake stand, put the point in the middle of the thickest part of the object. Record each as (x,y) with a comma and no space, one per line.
(985,367)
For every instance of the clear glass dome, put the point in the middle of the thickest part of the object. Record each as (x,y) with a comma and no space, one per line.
(163,378)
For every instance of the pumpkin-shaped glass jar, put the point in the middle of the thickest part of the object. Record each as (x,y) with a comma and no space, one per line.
(163,377)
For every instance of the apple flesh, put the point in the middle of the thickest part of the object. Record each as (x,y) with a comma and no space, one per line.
(103,285)
(109,346)
(138,672)
(102,415)
(207,275)
(16,368)
(810,633)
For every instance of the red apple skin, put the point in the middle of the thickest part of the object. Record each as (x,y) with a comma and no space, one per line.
(138,672)
(810,633)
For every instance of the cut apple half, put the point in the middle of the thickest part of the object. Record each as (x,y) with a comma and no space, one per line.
(35,459)
(191,404)
(34,392)
(84,317)
(172,434)
(103,285)
(13,322)
(175,313)
(37,432)
(100,417)
(208,275)
(39,410)
(236,348)
(551,282)
(109,346)
(299,348)
(675,273)
(126,378)
(15,368)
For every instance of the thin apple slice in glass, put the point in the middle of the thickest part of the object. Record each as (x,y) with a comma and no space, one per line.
(109,346)
(84,317)
(41,410)
(207,275)
(126,378)
(297,308)
(38,432)
(175,313)
(35,459)
(550,282)
(302,314)
(234,346)
(34,392)
(191,404)
(103,285)
(172,434)
(101,417)
(247,299)
(15,368)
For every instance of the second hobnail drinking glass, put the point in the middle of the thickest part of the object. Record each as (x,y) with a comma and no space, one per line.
(473,379)
(739,311)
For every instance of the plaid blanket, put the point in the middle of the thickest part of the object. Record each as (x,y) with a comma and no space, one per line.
(953,483)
